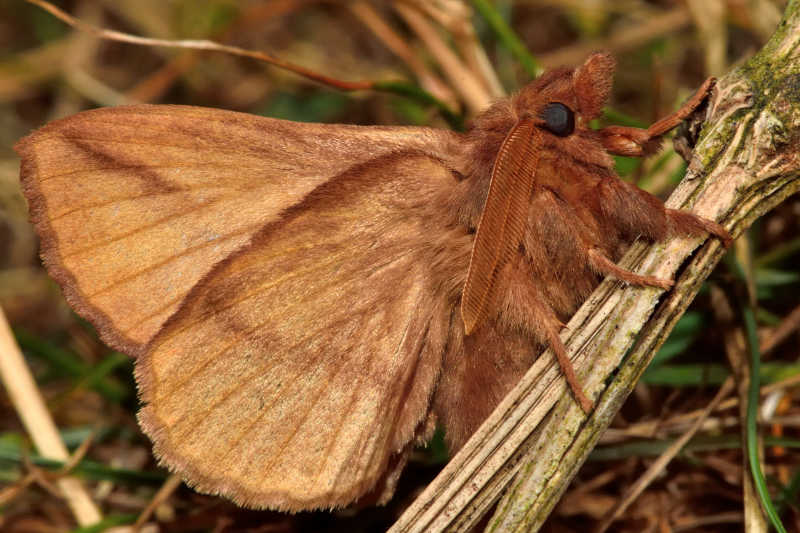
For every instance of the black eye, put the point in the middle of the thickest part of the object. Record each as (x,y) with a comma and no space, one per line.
(559,119)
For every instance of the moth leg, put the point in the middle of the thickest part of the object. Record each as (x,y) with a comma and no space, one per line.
(551,328)
(686,223)
(603,265)
(665,124)
(637,142)
(567,369)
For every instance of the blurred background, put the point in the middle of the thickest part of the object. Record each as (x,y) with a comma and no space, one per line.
(446,59)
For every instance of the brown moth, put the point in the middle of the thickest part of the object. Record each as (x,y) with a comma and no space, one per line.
(306,301)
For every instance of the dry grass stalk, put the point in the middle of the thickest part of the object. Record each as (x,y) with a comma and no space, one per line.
(30,406)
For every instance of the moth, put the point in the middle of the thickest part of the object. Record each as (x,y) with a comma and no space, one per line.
(305,302)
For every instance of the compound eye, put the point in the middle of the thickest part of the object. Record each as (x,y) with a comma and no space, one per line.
(559,119)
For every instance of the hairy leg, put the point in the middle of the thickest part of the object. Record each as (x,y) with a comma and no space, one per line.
(603,265)
(635,142)
(686,223)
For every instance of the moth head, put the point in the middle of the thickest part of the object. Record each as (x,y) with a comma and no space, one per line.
(562,102)
(565,99)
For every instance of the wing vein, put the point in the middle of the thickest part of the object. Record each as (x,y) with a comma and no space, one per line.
(171,258)
(86,207)
(151,225)
(362,441)
(144,318)
(263,287)
(259,289)
(138,142)
(207,164)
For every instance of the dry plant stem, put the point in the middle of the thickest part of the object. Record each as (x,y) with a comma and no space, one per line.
(696,523)
(710,18)
(157,83)
(456,17)
(788,325)
(369,16)
(9,493)
(41,477)
(627,39)
(469,46)
(461,78)
(658,466)
(30,406)
(30,68)
(764,17)
(80,55)
(745,163)
(170,485)
(142,17)
(735,348)
(648,428)
(192,44)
